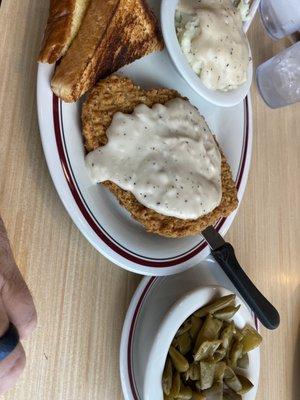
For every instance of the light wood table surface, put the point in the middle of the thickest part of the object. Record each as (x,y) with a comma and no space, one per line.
(80,296)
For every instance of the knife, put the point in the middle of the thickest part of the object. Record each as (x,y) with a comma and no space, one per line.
(224,254)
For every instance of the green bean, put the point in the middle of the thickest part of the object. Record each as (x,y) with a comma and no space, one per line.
(220,371)
(197,396)
(184,343)
(211,383)
(185,327)
(229,394)
(193,373)
(236,352)
(246,384)
(228,373)
(198,386)
(207,374)
(251,338)
(209,331)
(219,354)
(215,306)
(207,350)
(179,361)
(232,380)
(185,393)
(243,362)
(227,335)
(238,335)
(226,313)
(216,391)
(196,325)
(176,383)
(205,353)
(168,397)
(167,377)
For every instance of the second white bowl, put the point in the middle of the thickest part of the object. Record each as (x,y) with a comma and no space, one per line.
(180,311)
(223,99)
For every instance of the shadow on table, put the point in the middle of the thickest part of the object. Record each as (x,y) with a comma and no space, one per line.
(296,366)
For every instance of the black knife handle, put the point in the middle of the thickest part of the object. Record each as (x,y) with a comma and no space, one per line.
(264,310)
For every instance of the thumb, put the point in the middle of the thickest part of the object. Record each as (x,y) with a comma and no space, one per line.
(16,296)
(13,364)
(19,304)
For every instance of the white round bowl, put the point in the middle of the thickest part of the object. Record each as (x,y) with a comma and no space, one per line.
(217,97)
(174,318)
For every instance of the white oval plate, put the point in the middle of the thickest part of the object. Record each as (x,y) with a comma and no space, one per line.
(152,300)
(95,211)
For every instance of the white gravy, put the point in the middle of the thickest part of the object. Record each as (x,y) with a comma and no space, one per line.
(211,36)
(165,156)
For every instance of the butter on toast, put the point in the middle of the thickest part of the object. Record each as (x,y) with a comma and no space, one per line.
(65,17)
(113,33)
(115,94)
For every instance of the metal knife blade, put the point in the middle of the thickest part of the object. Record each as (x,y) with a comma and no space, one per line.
(213,238)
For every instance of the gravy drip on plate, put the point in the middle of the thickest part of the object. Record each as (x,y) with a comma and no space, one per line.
(211,36)
(165,156)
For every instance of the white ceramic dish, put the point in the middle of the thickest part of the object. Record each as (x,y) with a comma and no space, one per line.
(217,97)
(253,8)
(156,311)
(97,214)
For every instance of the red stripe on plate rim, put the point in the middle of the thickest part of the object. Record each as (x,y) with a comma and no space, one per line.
(136,313)
(98,230)
(131,334)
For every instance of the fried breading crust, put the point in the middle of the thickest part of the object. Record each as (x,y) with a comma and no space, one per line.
(121,94)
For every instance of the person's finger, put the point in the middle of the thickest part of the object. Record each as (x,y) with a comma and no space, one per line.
(4,321)
(19,304)
(11,368)
(16,296)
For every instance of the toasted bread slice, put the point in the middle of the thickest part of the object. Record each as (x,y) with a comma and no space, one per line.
(120,94)
(65,17)
(113,33)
